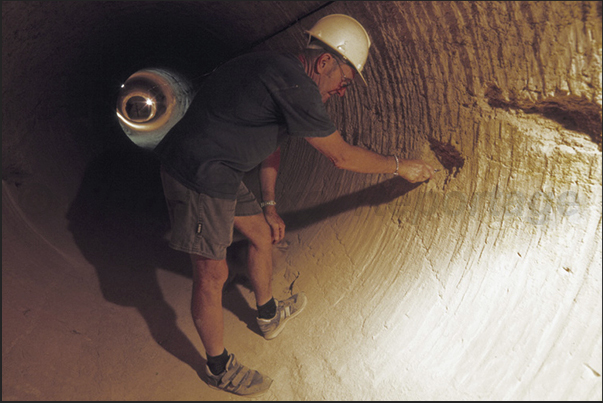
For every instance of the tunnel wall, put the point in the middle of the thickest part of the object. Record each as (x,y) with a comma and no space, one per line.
(484,283)
(492,270)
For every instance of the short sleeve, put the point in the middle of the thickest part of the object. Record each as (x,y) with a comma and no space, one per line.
(303,111)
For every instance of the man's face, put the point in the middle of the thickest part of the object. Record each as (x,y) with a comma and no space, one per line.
(335,79)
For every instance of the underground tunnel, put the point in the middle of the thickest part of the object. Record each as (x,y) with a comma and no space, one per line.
(482,284)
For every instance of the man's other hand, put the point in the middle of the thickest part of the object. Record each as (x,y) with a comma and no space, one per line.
(277,225)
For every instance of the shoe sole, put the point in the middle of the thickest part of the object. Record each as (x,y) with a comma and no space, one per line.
(280,329)
(236,394)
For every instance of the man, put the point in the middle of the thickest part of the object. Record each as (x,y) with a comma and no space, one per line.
(236,122)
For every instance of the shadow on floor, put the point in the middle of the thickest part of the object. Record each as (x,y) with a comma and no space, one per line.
(119,221)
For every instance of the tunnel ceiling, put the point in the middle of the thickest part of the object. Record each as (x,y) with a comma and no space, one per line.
(131,33)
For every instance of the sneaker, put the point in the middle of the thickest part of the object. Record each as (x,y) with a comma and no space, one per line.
(285,310)
(238,379)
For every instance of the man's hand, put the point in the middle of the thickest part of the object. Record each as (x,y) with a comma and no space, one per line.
(275,222)
(416,171)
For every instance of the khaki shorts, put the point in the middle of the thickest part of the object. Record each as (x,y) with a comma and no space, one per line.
(203,225)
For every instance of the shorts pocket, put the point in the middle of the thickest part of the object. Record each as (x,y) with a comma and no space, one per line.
(216,220)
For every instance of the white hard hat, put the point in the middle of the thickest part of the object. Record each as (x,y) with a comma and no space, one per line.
(345,36)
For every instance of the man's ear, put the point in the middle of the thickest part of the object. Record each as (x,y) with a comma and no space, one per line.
(322,63)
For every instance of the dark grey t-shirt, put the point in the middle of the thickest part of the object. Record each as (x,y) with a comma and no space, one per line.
(241,114)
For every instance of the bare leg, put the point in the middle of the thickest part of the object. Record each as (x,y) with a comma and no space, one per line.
(259,264)
(209,277)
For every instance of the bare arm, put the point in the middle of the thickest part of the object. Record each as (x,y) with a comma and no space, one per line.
(268,175)
(357,159)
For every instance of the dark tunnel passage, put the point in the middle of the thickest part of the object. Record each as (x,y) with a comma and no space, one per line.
(484,283)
